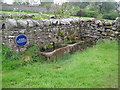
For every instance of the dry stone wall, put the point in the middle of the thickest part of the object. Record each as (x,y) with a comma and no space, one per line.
(30,8)
(56,31)
(8,7)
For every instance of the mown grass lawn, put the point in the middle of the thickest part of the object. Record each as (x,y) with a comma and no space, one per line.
(97,67)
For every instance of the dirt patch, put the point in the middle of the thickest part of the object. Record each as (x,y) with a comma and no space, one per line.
(26,58)
(58,68)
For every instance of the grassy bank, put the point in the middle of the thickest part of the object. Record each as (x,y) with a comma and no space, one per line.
(97,67)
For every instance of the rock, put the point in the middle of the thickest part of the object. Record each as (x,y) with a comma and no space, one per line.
(107,23)
(1,23)
(54,21)
(65,22)
(53,17)
(11,23)
(46,22)
(22,31)
(22,23)
(36,23)
(30,23)
(117,19)
(98,22)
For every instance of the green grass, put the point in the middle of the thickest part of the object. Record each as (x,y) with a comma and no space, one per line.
(26,12)
(34,18)
(15,12)
(42,17)
(97,67)
(0,67)
(89,18)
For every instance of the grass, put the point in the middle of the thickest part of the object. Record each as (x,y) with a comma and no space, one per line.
(43,17)
(96,67)
(34,18)
(26,12)
(89,18)
(15,12)
(0,67)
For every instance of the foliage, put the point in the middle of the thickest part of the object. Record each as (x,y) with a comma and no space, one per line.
(66,10)
(44,3)
(82,5)
(60,33)
(94,68)
(108,7)
(112,15)
(99,10)
(47,6)
(74,10)
(68,42)
(8,54)
(63,11)
(12,60)
(46,47)
(70,37)
(87,13)
(33,53)
(21,3)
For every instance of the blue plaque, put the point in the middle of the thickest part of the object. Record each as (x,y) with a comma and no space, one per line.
(21,40)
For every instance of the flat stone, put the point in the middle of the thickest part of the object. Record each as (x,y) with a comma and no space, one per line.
(22,23)
(117,19)
(30,23)
(11,23)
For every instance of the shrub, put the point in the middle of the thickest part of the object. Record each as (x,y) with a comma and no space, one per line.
(9,54)
(91,13)
(111,16)
(87,13)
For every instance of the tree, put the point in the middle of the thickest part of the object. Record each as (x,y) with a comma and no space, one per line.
(1,1)
(17,3)
(80,4)
(48,6)
(25,3)
(106,7)
(118,7)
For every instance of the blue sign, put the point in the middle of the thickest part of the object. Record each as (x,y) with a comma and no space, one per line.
(21,40)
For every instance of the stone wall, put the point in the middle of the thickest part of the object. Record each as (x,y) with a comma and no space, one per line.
(56,31)
(4,16)
(8,7)
(30,8)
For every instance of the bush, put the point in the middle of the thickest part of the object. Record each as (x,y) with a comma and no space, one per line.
(8,54)
(111,16)
(87,13)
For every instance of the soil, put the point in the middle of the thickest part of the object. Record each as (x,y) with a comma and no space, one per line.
(58,68)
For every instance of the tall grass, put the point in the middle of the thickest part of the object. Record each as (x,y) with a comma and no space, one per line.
(97,67)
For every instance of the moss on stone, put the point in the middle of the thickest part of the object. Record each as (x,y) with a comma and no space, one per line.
(60,33)
(44,48)
(108,27)
(69,37)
